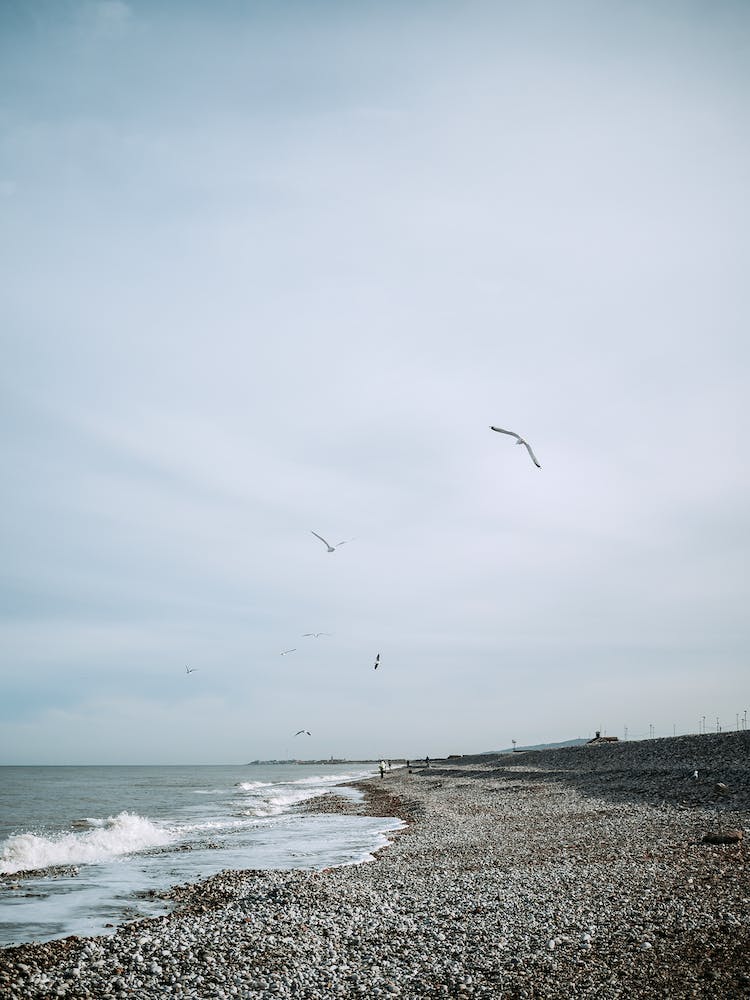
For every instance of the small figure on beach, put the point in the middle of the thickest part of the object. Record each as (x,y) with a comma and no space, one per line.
(427,762)
(382,768)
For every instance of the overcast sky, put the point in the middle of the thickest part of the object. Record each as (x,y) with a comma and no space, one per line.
(275,267)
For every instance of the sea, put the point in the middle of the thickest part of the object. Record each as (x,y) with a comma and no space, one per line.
(102,842)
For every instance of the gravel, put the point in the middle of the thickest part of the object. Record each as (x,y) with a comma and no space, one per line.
(578,872)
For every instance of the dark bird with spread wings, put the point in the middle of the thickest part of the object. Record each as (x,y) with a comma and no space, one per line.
(331,548)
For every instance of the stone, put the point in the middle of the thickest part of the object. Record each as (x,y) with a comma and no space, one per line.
(723,837)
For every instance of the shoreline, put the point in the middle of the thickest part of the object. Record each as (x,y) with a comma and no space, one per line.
(575,872)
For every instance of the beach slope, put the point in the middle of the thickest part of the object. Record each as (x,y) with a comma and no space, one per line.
(578,872)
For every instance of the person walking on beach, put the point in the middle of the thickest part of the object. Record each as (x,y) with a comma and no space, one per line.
(382,769)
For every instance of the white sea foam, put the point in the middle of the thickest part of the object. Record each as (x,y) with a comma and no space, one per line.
(280,798)
(214,825)
(265,799)
(108,838)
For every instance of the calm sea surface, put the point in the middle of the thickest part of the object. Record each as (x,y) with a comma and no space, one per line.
(101,839)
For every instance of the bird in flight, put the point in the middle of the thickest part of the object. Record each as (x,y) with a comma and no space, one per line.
(301,731)
(331,548)
(285,651)
(519,440)
(377,662)
(314,635)
(190,670)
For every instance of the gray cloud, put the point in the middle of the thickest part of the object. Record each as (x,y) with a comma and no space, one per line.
(272,271)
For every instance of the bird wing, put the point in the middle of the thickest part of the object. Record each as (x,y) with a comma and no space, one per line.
(501,431)
(307,634)
(527,446)
(299,731)
(346,541)
(322,539)
(285,651)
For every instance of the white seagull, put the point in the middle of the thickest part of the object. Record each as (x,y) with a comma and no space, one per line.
(301,731)
(331,548)
(190,670)
(285,651)
(519,440)
(314,635)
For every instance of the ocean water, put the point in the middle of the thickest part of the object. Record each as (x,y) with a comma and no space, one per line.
(133,831)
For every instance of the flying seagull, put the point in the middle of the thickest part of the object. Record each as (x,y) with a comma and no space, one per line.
(377,662)
(331,548)
(305,731)
(190,670)
(285,651)
(314,635)
(519,440)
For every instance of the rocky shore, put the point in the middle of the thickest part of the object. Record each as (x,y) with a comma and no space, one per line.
(578,872)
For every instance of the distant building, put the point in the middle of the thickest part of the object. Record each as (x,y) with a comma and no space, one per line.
(598,739)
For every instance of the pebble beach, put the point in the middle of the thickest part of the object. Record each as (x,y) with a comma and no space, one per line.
(575,872)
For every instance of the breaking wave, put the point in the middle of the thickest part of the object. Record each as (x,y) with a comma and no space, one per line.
(108,838)
(265,799)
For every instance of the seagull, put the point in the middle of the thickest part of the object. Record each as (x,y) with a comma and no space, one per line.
(190,670)
(519,440)
(285,651)
(377,662)
(314,635)
(305,731)
(331,548)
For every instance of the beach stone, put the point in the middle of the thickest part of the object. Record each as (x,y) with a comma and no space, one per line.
(723,837)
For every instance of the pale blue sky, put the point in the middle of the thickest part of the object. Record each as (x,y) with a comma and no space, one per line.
(276,267)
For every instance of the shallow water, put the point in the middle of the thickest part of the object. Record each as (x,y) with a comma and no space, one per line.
(123,833)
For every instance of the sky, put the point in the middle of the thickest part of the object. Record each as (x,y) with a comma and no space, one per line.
(276,267)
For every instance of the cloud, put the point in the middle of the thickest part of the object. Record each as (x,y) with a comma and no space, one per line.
(261,282)
(106,18)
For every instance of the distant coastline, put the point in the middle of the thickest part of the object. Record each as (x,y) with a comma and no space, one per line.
(323,760)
